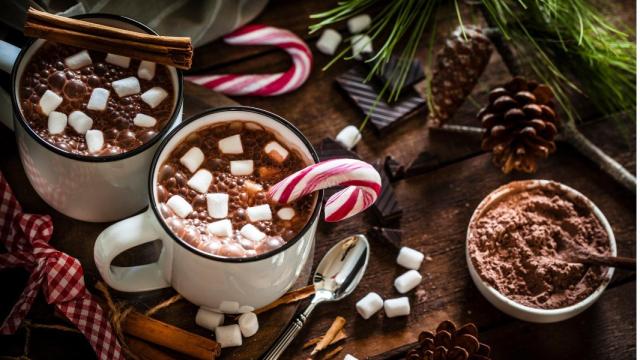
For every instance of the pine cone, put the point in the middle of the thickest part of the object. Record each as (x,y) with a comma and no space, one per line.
(520,123)
(450,343)
(457,70)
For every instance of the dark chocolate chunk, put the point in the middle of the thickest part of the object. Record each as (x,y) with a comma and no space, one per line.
(394,169)
(424,162)
(388,236)
(331,149)
(390,72)
(386,207)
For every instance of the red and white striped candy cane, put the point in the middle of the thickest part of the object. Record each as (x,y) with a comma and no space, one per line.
(361,179)
(263,84)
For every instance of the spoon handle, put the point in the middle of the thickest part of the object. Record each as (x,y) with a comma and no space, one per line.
(613,261)
(289,334)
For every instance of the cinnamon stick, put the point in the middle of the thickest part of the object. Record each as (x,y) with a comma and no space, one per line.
(309,343)
(290,297)
(336,326)
(331,354)
(145,351)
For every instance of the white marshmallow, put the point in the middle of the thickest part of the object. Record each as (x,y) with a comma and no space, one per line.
(241,167)
(350,357)
(228,336)
(369,305)
(180,206)
(118,60)
(147,70)
(276,151)
(154,96)
(407,281)
(252,233)
(192,159)
(222,228)
(329,42)
(127,86)
(200,181)
(143,120)
(409,258)
(231,145)
(98,99)
(259,213)
(397,307)
(245,309)
(218,205)
(80,122)
(79,60)
(49,102)
(229,307)
(248,323)
(349,136)
(286,213)
(95,140)
(209,319)
(359,23)
(57,122)
(361,44)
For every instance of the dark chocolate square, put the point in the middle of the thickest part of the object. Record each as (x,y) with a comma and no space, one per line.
(394,169)
(390,72)
(386,207)
(387,236)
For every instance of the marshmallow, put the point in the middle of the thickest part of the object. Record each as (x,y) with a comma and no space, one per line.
(118,60)
(407,281)
(221,228)
(329,42)
(218,205)
(349,136)
(409,258)
(252,233)
(154,96)
(369,305)
(229,307)
(49,102)
(192,159)
(80,122)
(147,70)
(358,23)
(143,120)
(259,212)
(127,86)
(200,181)
(209,319)
(350,357)
(241,167)
(397,307)
(57,122)
(231,145)
(95,140)
(228,336)
(361,44)
(98,99)
(252,187)
(248,323)
(180,206)
(79,60)
(276,152)
(245,309)
(286,213)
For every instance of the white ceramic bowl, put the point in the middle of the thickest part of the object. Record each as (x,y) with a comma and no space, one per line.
(511,307)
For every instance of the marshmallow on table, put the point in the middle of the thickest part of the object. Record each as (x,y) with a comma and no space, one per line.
(329,41)
(252,233)
(49,102)
(245,309)
(229,307)
(154,96)
(350,357)
(218,205)
(241,167)
(209,319)
(95,140)
(231,145)
(409,258)
(147,70)
(118,60)
(222,228)
(369,305)
(248,323)
(259,213)
(286,213)
(349,136)
(228,336)
(200,181)
(80,122)
(407,281)
(79,60)
(361,44)
(397,307)
(56,122)
(143,120)
(276,151)
(127,86)
(98,99)
(180,206)
(192,159)
(358,23)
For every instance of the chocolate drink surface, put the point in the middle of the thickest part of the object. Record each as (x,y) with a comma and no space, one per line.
(517,245)
(92,103)
(212,190)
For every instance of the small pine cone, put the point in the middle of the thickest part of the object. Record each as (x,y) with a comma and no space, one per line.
(449,343)
(458,67)
(520,125)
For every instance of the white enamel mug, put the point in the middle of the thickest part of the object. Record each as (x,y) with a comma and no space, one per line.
(228,285)
(87,188)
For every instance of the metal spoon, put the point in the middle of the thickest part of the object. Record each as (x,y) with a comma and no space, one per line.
(338,274)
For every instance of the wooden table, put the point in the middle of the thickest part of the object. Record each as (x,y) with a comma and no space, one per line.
(437,206)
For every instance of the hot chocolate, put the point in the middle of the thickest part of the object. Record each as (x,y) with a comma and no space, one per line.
(92,103)
(212,190)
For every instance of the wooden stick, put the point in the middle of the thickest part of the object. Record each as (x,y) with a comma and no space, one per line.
(290,297)
(331,354)
(309,343)
(336,326)
(146,351)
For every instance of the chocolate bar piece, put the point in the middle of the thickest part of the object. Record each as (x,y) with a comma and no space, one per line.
(331,149)
(390,72)
(386,207)
(389,236)
(382,114)
(394,169)
(424,162)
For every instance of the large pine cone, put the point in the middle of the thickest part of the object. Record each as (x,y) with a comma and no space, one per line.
(449,343)
(520,125)
(458,67)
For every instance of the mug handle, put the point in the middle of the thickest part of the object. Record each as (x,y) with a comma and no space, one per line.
(8,56)
(123,236)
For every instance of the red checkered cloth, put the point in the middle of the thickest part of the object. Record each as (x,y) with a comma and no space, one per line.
(26,238)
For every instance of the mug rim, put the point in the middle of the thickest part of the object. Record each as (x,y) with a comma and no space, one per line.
(19,116)
(198,116)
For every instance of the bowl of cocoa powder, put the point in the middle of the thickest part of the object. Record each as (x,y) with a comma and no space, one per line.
(516,242)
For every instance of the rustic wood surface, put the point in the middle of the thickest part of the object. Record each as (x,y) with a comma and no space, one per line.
(437,207)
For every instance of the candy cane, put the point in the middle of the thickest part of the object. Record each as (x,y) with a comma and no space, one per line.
(263,84)
(361,179)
